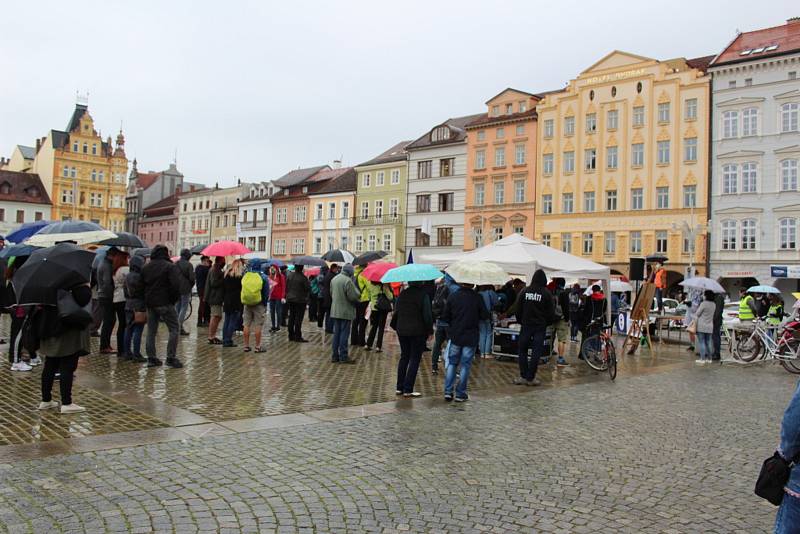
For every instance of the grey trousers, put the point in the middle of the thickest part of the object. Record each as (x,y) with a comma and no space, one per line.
(170,317)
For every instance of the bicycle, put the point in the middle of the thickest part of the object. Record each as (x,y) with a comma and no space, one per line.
(598,349)
(761,344)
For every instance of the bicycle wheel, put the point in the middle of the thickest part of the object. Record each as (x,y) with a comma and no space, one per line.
(789,357)
(593,353)
(749,348)
(611,354)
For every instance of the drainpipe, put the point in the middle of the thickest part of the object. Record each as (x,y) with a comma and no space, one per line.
(710,180)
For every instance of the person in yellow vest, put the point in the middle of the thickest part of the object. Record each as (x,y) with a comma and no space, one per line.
(359,329)
(775,312)
(748,309)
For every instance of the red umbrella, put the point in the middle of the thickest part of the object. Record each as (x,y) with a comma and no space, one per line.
(226,248)
(375,270)
(311,271)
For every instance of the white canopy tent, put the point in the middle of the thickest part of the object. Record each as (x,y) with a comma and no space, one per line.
(519,255)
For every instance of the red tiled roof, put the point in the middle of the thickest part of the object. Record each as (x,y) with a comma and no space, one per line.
(700,62)
(146,179)
(786,37)
(22,187)
(486,119)
(165,206)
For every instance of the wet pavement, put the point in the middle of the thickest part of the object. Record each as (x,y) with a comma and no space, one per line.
(225,385)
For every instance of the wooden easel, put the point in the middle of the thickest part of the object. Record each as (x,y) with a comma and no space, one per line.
(640,319)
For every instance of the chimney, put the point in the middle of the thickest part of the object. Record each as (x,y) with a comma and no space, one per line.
(38,144)
(337,164)
(793,20)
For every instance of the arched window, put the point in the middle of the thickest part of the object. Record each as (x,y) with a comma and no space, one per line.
(787,238)
(749,234)
(440,134)
(729,235)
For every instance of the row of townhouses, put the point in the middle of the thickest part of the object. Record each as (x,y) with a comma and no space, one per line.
(693,159)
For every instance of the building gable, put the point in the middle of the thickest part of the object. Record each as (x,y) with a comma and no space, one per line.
(616,60)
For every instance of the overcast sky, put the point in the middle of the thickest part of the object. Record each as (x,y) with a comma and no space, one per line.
(251,90)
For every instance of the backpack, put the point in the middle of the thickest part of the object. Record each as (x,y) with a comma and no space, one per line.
(252,284)
(574,302)
(559,311)
(439,300)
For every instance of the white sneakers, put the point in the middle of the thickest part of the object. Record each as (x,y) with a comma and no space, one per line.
(35,361)
(20,366)
(72,408)
(47,405)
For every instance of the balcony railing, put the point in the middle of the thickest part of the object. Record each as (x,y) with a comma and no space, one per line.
(377,220)
(254,224)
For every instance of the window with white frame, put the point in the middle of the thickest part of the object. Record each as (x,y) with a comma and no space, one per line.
(520,130)
(387,242)
(331,210)
(789,175)
(346,209)
(500,133)
(790,116)
(365,209)
(662,197)
(612,119)
(546,240)
(499,156)
(345,242)
(280,215)
(661,241)
(497,233)
(749,121)
(610,239)
(637,154)
(480,194)
(73,172)
(499,192)
(394,207)
(590,159)
(395,177)
(67,196)
(663,152)
(378,209)
(569,125)
(566,243)
(518,230)
(371,242)
(547,164)
(591,122)
(637,198)
(611,200)
(523,106)
(331,243)
(300,213)
(480,159)
(567,203)
(548,128)
(588,201)
(638,116)
(569,161)
(424,169)
(690,109)
(519,191)
(611,158)
(365,179)
(101,176)
(689,196)
(298,245)
(690,149)
(636,242)
(588,242)
(477,237)
(749,177)
(65,172)
(317,245)
(519,154)
(279,247)
(481,135)
(730,124)
(359,243)
(663,112)
(748,234)
(686,245)
(730,178)
(547,204)
(94,175)
(318,212)
(728,234)
(380,178)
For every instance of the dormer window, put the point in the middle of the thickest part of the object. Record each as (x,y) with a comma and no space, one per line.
(440,134)
(252,193)
(34,192)
(509,109)
(5,188)
(305,189)
(495,111)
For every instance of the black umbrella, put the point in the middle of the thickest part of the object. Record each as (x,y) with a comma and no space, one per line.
(198,249)
(47,270)
(656,258)
(339,256)
(369,257)
(308,260)
(125,239)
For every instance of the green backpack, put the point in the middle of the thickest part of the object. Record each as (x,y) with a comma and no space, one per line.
(252,284)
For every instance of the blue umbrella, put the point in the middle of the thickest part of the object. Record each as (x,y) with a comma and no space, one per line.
(25,231)
(17,250)
(763,289)
(413,272)
(276,262)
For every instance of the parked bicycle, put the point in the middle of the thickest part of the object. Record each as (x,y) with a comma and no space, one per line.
(769,343)
(598,349)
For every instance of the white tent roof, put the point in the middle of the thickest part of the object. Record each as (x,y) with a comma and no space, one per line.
(519,255)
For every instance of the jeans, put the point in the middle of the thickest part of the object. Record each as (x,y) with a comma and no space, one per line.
(154,315)
(439,338)
(787,520)
(706,345)
(119,312)
(574,326)
(485,337)
(341,334)
(660,298)
(182,307)
(297,311)
(229,326)
(530,337)
(133,335)
(109,318)
(378,325)
(275,312)
(65,366)
(716,338)
(454,357)
(411,348)
(359,328)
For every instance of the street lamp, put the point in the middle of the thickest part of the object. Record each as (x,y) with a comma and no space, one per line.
(691,232)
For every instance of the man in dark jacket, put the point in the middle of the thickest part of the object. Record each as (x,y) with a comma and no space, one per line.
(162,282)
(535,311)
(297,290)
(324,312)
(105,297)
(187,283)
(134,302)
(215,294)
(200,277)
(463,312)
(716,336)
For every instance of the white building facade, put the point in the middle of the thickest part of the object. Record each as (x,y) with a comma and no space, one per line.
(755,202)
(194,218)
(254,229)
(437,172)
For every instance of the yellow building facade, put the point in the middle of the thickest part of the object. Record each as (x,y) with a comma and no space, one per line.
(84,175)
(622,163)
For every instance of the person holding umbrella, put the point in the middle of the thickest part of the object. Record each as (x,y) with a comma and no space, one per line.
(120,271)
(380,302)
(413,322)
(232,300)
(200,276)
(162,282)
(105,297)
(277,294)
(135,310)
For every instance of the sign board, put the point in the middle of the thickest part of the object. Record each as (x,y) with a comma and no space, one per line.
(738,274)
(785,271)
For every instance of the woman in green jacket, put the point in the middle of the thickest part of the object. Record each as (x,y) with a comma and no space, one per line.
(380,304)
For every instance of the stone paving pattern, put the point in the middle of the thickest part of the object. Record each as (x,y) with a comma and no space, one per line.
(664,452)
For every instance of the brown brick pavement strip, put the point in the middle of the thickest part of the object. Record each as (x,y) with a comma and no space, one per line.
(664,452)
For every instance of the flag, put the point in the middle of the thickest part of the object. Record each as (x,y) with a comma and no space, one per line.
(411,257)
